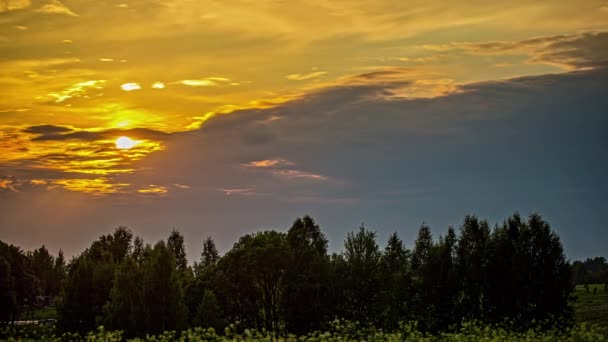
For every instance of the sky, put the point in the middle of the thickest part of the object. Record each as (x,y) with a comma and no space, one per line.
(222,118)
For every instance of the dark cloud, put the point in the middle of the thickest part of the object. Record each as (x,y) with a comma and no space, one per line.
(581,50)
(47,129)
(527,144)
(531,144)
(137,133)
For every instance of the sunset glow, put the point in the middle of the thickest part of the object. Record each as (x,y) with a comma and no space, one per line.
(166,111)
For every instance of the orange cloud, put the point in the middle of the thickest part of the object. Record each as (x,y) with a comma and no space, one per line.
(267,163)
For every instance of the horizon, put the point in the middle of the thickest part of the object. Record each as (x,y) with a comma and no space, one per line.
(235,117)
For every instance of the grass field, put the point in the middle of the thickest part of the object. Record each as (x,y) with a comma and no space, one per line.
(43,313)
(591,308)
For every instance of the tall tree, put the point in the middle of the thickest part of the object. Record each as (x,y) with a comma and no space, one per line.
(42,263)
(422,278)
(251,280)
(59,272)
(89,280)
(163,292)
(396,282)
(444,282)
(472,252)
(8,300)
(209,256)
(125,308)
(177,247)
(306,279)
(362,256)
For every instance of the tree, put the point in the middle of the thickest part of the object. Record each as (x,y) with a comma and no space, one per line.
(528,277)
(250,281)
(551,282)
(89,280)
(306,279)
(138,250)
(77,306)
(8,300)
(472,253)
(59,272)
(209,256)
(422,278)
(177,247)
(163,293)
(118,244)
(362,256)
(125,308)
(208,313)
(396,282)
(444,282)
(42,268)
(202,282)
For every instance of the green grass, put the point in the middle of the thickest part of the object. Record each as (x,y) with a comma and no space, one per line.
(590,308)
(42,313)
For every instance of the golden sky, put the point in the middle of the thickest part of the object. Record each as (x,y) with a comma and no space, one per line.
(76,75)
(225,117)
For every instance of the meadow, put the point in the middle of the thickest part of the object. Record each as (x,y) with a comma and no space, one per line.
(341,331)
(591,308)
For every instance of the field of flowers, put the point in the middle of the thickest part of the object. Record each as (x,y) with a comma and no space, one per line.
(341,331)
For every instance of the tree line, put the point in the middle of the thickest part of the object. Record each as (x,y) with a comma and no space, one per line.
(288,282)
(28,280)
(590,271)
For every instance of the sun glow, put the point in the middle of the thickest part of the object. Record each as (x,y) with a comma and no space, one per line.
(125,143)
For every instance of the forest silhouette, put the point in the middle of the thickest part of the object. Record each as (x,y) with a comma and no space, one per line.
(287,282)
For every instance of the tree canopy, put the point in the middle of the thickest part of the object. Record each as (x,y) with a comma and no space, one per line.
(288,282)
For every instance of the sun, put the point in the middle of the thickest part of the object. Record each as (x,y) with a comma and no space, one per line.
(125,143)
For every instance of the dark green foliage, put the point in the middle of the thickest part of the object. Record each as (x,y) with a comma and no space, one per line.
(250,279)
(528,276)
(306,294)
(8,300)
(472,255)
(590,271)
(209,257)
(175,242)
(163,296)
(396,283)
(362,277)
(287,282)
(125,307)
(89,279)
(208,312)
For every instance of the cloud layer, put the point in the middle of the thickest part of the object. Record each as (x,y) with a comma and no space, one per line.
(243,115)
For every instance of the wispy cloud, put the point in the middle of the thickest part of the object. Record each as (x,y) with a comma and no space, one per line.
(283,168)
(570,51)
(77,90)
(297,174)
(268,163)
(7,184)
(153,189)
(56,7)
(302,77)
(95,186)
(12,5)
(205,82)
(239,191)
